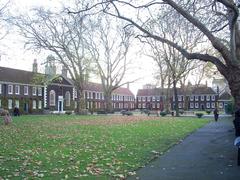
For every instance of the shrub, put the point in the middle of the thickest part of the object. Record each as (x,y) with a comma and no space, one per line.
(163,113)
(208,111)
(101,112)
(68,112)
(199,115)
(181,111)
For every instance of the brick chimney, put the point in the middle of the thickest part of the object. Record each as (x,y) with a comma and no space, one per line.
(35,66)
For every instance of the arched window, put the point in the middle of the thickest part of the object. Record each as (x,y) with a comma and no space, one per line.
(52,98)
(68,98)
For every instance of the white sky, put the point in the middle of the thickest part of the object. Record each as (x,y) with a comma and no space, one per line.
(14,55)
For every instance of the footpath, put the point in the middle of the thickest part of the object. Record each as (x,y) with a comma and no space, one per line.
(207,154)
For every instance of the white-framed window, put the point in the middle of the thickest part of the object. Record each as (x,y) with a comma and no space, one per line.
(39,91)
(139,106)
(25,90)
(213,97)
(153,105)
(0,88)
(213,105)
(191,98)
(221,105)
(17,103)
(17,89)
(97,95)
(10,89)
(89,95)
(180,105)
(68,98)
(149,98)
(158,105)
(143,99)
(39,104)
(52,98)
(208,105)
(191,105)
(196,105)
(34,104)
(75,93)
(34,91)
(179,98)
(202,97)
(196,98)
(153,98)
(10,103)
(126,106)
(208,98)
(143,105)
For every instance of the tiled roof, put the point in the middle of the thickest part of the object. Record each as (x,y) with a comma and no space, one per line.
(225,96)
(163,91)
(16,75)
(26,77)
(98,88)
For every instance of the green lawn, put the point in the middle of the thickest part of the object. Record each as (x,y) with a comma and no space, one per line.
(58,147)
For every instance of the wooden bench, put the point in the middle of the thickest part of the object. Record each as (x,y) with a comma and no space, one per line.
(237,143)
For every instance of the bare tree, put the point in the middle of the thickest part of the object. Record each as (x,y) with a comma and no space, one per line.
(110,45)
(64,35)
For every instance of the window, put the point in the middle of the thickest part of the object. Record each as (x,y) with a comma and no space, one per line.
(180,105)
(17,103)
(68,98)
(34,91)
(179,98)
(153,98)
(153,105)
(0,88)
(208,105)
(52,98)
(89,95)
(148,98)
(34,104)
(191,98)
(158,105)
(220,105)
(25,91)
(10,103)
(158,98)
(75,93)
(208,98)
(143,105)
(196,98)
(191,105)
(139,106)
(39,104)
(202,97)
(17,89)
(143,99)
(39,91)
(10,89)
(97,95)
(196,105)
(213,105)
(213,98)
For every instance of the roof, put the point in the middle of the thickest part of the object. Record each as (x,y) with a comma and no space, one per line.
(90,86)
(225,96)
(163,91)
(16,75)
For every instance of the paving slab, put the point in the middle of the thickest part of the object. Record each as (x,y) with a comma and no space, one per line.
(207,154)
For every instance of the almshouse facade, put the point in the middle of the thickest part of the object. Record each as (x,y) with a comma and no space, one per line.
(20,89)
(192,98)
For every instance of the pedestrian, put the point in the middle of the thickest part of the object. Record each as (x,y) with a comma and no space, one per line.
(16,111)
(236,123)
(7,118)
(216,114)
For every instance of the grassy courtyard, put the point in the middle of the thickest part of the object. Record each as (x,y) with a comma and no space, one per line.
(89,147)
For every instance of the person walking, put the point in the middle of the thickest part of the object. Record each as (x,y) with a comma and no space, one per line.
(216,114)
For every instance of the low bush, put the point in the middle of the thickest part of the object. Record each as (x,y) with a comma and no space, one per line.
(163,113)
(208,111)
(181,111)
(68,112)
(199,115)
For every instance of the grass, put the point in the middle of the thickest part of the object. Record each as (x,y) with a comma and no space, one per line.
(56,147)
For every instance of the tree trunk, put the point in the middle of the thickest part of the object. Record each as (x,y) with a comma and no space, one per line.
(176,97)
(108,100)
(81,107)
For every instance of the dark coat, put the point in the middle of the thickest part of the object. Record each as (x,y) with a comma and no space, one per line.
(236,123)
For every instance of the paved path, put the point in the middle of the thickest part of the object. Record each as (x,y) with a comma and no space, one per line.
(207,154)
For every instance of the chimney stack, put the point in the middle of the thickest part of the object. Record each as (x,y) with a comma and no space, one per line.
(35,66)
(64,71)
